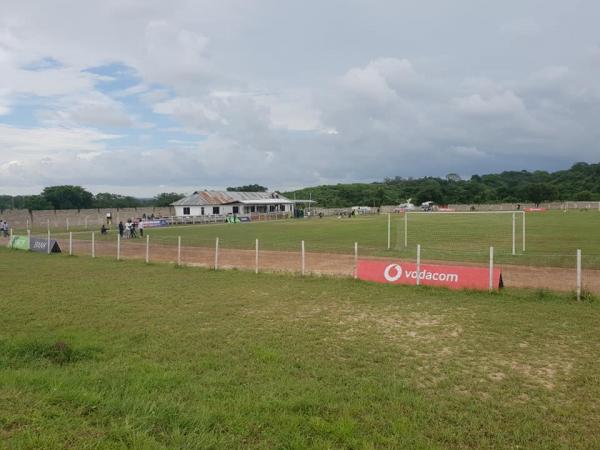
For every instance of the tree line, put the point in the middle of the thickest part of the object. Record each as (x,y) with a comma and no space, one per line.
(579,183)
(76,197)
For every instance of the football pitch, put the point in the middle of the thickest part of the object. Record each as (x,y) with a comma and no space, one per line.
(107,354)
(552,238)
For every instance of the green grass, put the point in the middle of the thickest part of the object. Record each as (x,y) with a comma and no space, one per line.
(158,357)
(552,237)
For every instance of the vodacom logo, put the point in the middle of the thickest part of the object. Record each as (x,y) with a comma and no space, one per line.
(393,272)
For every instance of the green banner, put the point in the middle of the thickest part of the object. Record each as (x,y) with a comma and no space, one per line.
(19,242)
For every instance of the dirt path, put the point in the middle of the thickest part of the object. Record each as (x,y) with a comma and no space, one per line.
(553,278)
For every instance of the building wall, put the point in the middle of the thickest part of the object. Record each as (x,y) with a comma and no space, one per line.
(223,210)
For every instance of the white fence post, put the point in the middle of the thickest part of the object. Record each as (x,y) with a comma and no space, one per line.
(523,231)
(514,250)
(418,264)
(118,247)
(405,229)
(29,228)
(29,234)
(48,225)
(355,260)
(86,225)
(48,240)
(67,224)
(491,268)
(256,258)
(93,245)
(578,274)
(389,231)
(70,243)
(179,250)
(303,259)
(216,253)
(147,248)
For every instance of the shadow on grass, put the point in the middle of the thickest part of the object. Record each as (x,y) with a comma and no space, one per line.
(14,354)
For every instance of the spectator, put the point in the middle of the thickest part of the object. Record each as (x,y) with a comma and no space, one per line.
(103,229)
(121,228)
(141,227)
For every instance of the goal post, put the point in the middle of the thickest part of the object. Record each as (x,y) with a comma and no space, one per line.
(463,231)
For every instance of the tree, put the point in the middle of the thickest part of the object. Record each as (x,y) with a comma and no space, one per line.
(107,200)
(453,177)
(166,198)
(248,188)
(36,202)
(68,197)
(583,196)
(539,192)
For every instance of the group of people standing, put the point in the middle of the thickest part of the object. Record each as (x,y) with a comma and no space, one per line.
(128,229)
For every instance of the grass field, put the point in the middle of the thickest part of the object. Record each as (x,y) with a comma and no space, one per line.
(552,237)
(159,357)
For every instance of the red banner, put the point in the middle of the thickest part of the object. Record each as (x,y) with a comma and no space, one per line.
(455,277)
(535,209)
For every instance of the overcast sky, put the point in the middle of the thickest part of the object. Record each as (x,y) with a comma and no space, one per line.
(139,97)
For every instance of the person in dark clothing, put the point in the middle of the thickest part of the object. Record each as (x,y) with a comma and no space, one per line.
(121,228)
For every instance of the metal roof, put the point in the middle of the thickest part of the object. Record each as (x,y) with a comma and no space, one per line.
(203,198)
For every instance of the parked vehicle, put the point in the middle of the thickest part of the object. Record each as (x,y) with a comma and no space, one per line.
(428,206)
(403,207)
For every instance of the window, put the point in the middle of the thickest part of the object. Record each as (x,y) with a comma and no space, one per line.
(216,210)
(186,211)
(271,208)
(202,211)
(236,209)
(282,207)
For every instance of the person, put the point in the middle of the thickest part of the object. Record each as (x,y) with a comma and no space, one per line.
(121,228)
(132,232)
(5,228)
(103,229)
(141,227)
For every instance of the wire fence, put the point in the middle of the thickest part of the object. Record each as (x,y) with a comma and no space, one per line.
(574,271)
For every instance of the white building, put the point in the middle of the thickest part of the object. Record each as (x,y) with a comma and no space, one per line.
(222,203)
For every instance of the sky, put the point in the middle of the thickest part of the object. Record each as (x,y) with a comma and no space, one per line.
(145,96)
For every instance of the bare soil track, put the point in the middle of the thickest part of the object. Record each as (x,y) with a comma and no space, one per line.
(551,278)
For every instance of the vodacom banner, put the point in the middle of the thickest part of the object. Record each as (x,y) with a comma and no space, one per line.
(456,277)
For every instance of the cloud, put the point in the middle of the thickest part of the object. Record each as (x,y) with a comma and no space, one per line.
(473,152)
(43,142)
(379,79)
(503,103)
(284,95)
(521,27)
(91,109)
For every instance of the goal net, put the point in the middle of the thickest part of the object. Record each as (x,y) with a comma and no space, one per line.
(465,235)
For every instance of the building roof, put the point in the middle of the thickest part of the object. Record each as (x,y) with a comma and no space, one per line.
(207,198)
